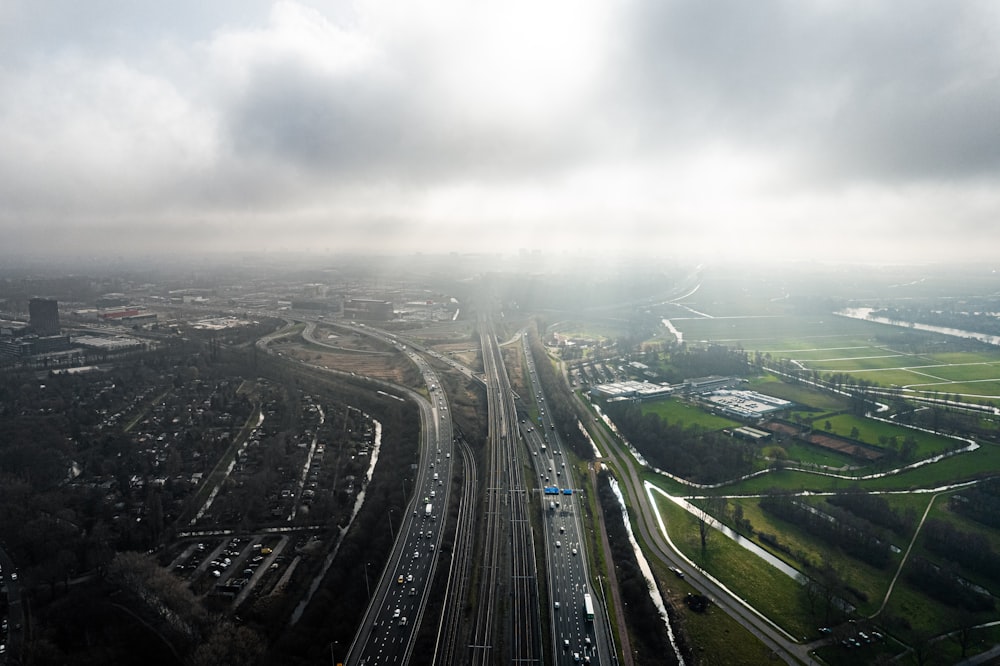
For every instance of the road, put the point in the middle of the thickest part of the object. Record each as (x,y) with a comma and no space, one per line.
(628,475)
(387,633)
(573,633)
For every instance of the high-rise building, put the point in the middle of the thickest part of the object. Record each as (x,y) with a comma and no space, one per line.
(44,316)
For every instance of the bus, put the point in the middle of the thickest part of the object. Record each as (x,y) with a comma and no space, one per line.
(588,607)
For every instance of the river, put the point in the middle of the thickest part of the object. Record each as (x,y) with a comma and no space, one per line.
(865,315)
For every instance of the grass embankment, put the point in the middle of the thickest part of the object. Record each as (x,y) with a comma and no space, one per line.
(761,585)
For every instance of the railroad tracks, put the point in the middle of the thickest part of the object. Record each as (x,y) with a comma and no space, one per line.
(508,578)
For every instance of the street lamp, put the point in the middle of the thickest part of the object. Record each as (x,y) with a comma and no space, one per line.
(367,586)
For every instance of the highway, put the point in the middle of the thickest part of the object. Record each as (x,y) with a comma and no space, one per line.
(387,633)
(574,635)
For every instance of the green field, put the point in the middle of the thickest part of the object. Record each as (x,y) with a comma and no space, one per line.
(779,335)
(871,431)
(836,344)
(930,364)
(674,411)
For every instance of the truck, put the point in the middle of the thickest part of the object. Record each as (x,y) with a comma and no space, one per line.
(588,608)
(428,509)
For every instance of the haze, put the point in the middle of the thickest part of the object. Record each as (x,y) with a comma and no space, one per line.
(860,131)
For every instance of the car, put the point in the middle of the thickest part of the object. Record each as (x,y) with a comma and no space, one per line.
(557,605)
(558,544)
(400,579)
(413,591)
(574,551)
(13,575)
(565,643)
(395,613)
(416,554)
(409,578)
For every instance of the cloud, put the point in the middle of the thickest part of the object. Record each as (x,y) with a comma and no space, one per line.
(718,126)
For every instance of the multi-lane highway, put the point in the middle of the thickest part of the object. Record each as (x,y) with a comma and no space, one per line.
(579,633)
(387,633)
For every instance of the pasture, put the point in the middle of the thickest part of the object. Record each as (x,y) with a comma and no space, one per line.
(861,349)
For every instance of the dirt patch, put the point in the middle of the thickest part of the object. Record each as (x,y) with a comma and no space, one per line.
(829,442)
(347,339)
(842,446)
(514,361)
(391,367)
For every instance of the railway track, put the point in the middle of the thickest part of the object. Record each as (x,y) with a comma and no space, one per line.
(448,650)
(508,579)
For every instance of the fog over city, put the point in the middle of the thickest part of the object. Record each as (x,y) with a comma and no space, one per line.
(851,130)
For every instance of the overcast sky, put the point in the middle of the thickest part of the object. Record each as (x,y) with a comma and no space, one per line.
(860,130)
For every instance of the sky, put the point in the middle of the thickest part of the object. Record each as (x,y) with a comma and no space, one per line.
(855,130)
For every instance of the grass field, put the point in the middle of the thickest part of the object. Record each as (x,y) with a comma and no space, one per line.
(835,344)
(673,411)
(871,431)
(931,365)
(751,578)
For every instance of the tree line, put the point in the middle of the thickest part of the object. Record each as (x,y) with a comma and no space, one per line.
(691,451)
(945,585)
(840,528)
(875,509)
(646,628)
(981,504)
(970,550)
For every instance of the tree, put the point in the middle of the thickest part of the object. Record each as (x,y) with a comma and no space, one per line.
(964,635)
(714,506)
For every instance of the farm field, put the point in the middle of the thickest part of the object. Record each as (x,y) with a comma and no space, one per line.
(829,344)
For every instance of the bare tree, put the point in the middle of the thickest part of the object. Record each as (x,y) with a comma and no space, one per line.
(714,506)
